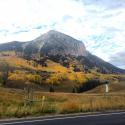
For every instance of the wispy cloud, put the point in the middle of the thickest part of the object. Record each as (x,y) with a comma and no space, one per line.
(100,24)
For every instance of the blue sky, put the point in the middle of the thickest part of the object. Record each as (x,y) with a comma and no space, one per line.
(100,24)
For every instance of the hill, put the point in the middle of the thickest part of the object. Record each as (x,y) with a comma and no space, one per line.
(55,62)
(62,49)
(21,71)
(16,72)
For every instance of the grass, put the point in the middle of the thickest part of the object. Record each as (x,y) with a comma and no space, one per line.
(12,100)
(12,103)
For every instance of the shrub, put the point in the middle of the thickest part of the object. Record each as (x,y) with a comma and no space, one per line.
(1,82)
(90,84)
(51,88)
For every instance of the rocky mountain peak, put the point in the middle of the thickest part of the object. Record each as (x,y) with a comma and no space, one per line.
(54,42)
(57,44)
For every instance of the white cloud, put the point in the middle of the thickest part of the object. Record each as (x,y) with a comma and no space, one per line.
(17,15)
(99,23)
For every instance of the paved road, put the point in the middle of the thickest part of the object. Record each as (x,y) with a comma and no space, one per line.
(116,118)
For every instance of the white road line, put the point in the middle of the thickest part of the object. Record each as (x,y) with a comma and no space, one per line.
(52,119)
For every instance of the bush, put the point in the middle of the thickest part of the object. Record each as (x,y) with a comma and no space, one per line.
(1,82)
(51,89)
(90,84)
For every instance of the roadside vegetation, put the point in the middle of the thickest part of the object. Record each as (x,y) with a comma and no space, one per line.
(12,103)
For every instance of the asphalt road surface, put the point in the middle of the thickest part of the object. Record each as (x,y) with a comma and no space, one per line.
(113,118)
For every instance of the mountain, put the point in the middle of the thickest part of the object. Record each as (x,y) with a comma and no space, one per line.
(62,48)
(50,43)
(53,43)
(92,61)
(11,46)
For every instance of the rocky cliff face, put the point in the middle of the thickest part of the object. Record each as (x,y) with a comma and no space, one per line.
(53,43)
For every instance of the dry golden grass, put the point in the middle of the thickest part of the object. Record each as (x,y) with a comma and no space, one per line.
(70,107)
(12,103)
